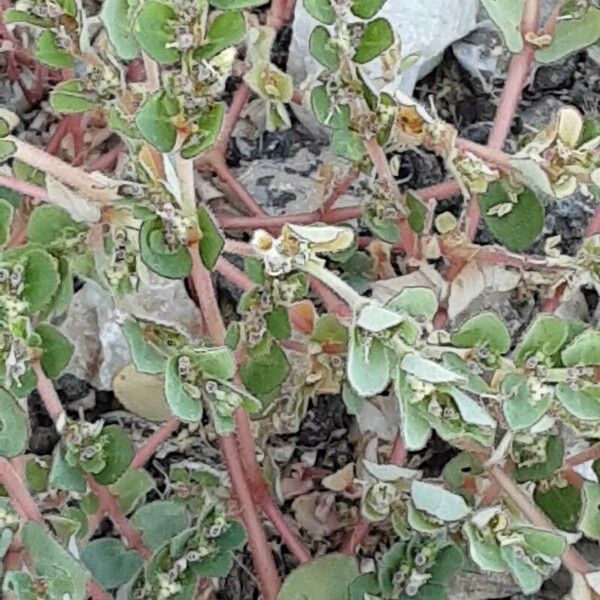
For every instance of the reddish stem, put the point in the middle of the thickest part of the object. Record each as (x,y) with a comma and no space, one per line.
(336,215)
(339,189)
(571,559)
(110,507)
(518,73)
(49,397)
(160,436)
(260,491)
(228,178)
(594,225)
(24,187)
(205,291)
(106,161)
(591,453)
(26,507)
(334,305)
(240,97)
(261,552)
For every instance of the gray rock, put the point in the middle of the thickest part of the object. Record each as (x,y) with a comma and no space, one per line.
(93,325)
(291,186)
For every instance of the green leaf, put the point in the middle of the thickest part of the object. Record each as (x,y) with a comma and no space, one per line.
(174,264)
(353,402)
(584,350)
(555,450)
(329,329)
(486,555)
(7,149)
(182,405)
(53,563)
(110,563)
(237,4)
(50,53)
(419,303)
(70,97)
(320,10)
(527,577)
(571,35)
(146,358)
(131,488)
(154,120)
(215,363)
(325,113)
(20,16)
(154,30)
(417,213)
(255,269)
(36,476)
(376,38)
(520,409)
(213,241)
(115,17)
(543,542)
(278,323)
(375,319)
(458,469)
(348,145)
(207,129)
(56,350)
(583,403)
(507,14)
(474,383)
(519,228)
(438,502)
(589,523)
(546,336)
(485,329)
(562,505)
(429,370)
(6,217)
(48,223)
(160,521)
(41,279)
(322,49)
(118,454)
(63,476)
(227,29)
(62,299)
(366,9)
(266,367)
(365,584)
(385,229)
(14,429)
(369,367)
(324,578)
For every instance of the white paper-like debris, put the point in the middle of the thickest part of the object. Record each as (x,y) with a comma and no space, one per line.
(93,325)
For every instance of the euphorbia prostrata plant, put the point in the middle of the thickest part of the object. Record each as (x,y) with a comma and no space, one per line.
(155,73)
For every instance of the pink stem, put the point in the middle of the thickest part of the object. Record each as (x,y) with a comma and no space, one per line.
(106,161)
(228,178)
(151,445)
(339,189)
(571,559)
(261,552)
(240,97)
(594,225)
(110,507)
(490,155)
(518,73)
(334,305)
(24,187)
(49,397)
(591,453)
(336,215)
(28,511)
(205,291)
(234,275)
(259,490)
